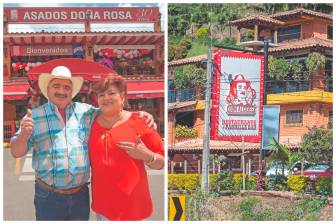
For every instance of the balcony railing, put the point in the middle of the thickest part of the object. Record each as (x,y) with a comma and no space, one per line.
(181,95)
(287,86)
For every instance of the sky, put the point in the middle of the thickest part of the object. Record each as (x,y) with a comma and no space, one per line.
(80,27)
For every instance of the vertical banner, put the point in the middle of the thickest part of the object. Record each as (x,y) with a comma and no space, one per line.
(270,127)
(237,96)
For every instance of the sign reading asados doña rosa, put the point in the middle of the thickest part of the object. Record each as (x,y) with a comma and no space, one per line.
(237,101)
(66,15)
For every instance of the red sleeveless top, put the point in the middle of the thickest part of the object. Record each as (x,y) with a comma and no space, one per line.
(119,183)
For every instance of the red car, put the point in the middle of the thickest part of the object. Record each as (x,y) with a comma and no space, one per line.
(315,171)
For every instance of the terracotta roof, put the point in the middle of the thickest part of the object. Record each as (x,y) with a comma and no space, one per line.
(262,19)
(189,60)
(81,32)
(177,105)
(99,38)
(302,44)
(299,12)
(291,142)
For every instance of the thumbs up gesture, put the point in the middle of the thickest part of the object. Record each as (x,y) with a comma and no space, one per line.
(27,124)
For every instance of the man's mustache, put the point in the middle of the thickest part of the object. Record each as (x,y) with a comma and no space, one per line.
(61,95)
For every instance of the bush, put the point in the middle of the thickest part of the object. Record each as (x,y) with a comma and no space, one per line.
(187,182)
(202,32)
(224,181)
(250,182)
(277,183)
(184,131)
(249,213)
(197,208)
(324,185)
(297,183)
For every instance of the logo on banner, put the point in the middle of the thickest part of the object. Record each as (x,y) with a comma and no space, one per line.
(241,97)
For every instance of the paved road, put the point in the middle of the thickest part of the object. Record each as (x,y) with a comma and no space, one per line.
(19,190)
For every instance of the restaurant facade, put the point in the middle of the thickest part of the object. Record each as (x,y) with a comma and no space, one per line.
(91,53)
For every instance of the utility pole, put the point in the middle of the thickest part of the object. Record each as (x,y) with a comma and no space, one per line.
(266,45)
(206,137)
(243,161)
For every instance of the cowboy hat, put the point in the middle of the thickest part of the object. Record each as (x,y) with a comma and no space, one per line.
(59,72)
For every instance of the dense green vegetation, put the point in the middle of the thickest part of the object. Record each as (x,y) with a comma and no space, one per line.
(194,27)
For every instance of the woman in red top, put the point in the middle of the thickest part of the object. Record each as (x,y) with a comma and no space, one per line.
(120,144)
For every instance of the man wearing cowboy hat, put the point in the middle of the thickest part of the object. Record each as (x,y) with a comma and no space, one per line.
(57,133)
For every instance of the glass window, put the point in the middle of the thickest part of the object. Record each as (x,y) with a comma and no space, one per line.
(294,116)
(330,32)
(289,33)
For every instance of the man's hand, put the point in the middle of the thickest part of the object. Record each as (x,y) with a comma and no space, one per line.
(19,143)
(150,120)
(27,124)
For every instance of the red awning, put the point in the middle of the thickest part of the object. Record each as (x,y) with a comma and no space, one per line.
(89,70)
(16,91)
(145,90)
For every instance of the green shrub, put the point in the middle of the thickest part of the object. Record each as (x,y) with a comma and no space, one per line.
(248,213)
(314,61)
(250,182)
(277,183)
(224,181)
(324,185)
(297,183)
(197,207)
(187,182)
(311,208)
(202,32)
(184,131)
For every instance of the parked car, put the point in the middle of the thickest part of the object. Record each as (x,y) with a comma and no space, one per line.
(317,170)
(276,168)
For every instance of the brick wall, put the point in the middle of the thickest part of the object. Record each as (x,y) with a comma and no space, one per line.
(314,114)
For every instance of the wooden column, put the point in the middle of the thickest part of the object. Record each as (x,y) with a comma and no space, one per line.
(255,32)
(7,62)
(157,24)
(172,164)
(171,128)
(5,24)
(185,166)
(158,60)
(88,48)
(238,35)
(276,36)
(199,166)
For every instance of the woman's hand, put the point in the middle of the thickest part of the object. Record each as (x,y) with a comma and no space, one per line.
(149,119)
(137,150)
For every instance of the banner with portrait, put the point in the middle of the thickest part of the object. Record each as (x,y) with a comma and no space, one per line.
(237,96)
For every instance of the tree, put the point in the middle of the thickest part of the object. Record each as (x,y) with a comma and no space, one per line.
(283,155)
(277,68)
(189,76)
(317,145)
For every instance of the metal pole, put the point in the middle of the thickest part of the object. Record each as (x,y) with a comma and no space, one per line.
(266,44)
(206,138)
(243,160)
